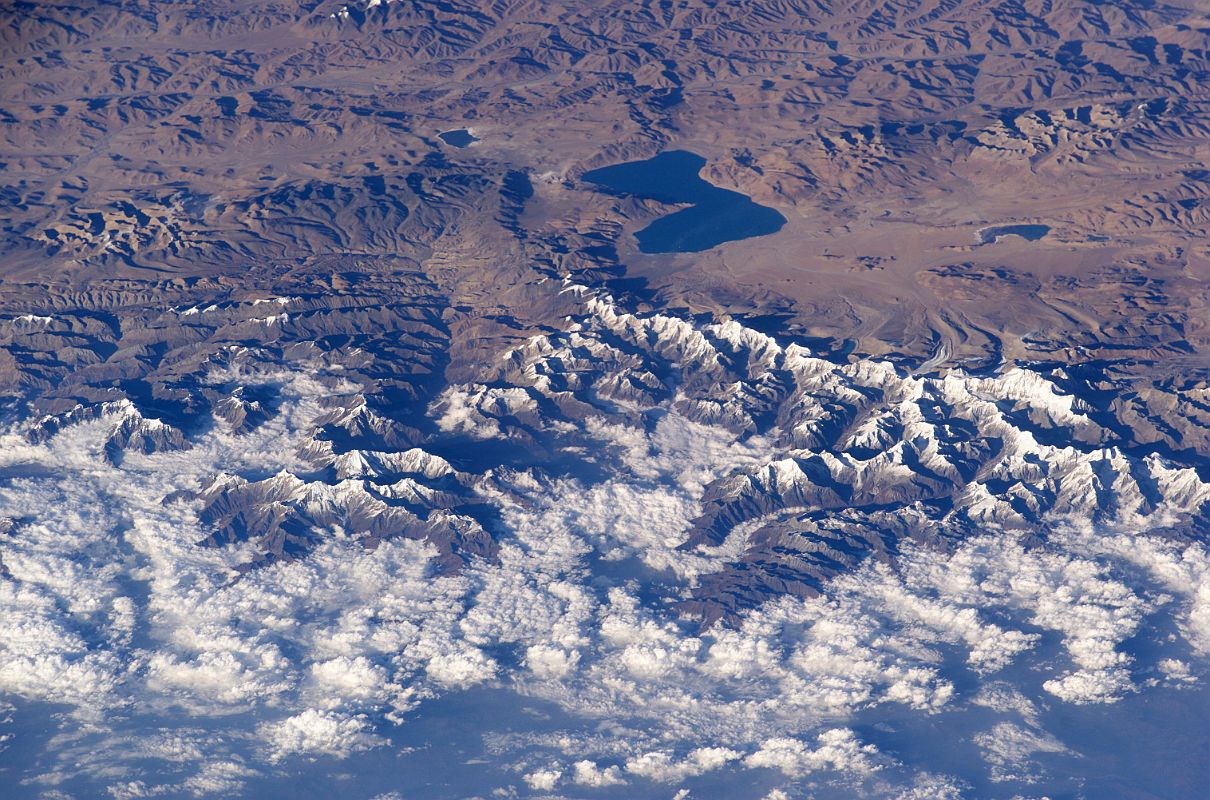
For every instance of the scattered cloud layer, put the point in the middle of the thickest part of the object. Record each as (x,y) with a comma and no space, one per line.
(110,605)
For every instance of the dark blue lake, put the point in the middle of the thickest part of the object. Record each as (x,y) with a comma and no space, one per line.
(457,138)
(1030,233)
(715,216)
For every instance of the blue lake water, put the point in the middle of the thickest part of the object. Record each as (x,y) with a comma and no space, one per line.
(716,215)
(458,138)
(1030,233)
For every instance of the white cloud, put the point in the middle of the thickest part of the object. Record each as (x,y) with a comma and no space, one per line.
(462,669)
(679,451)
(1008,749)
(1005,699)
(1183,569)
(218,779)
(662,766)
(349,679)
(1076,597)
(837,749)
(550,662)
(1175,670)
(543,779)
(588,773)
(315,732)
(222,778)
(931,787)
(224,677)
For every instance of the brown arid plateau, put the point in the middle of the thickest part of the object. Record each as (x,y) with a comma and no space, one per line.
(157,154)
(339,382)
(163,143)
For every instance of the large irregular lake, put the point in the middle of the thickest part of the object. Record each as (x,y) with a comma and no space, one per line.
(715,216)
(1030,233)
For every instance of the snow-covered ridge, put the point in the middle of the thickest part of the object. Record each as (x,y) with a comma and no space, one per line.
(33,319)
(123,428)
(862,434)
(346,12)
(375,464)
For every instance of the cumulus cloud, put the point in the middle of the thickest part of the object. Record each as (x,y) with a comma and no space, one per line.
(460,670)
(588,773)
(355,679)
(347,629)
(1077,597)
(837,749)
(543,779)
(664,767)
(550,662)
(1182,569)
(1175,670)
(315,732)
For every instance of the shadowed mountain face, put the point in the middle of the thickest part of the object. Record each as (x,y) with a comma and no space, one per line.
(626,397)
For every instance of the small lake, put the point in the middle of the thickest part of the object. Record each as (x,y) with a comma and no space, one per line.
(461,137)
(1030,233)
(716,215)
